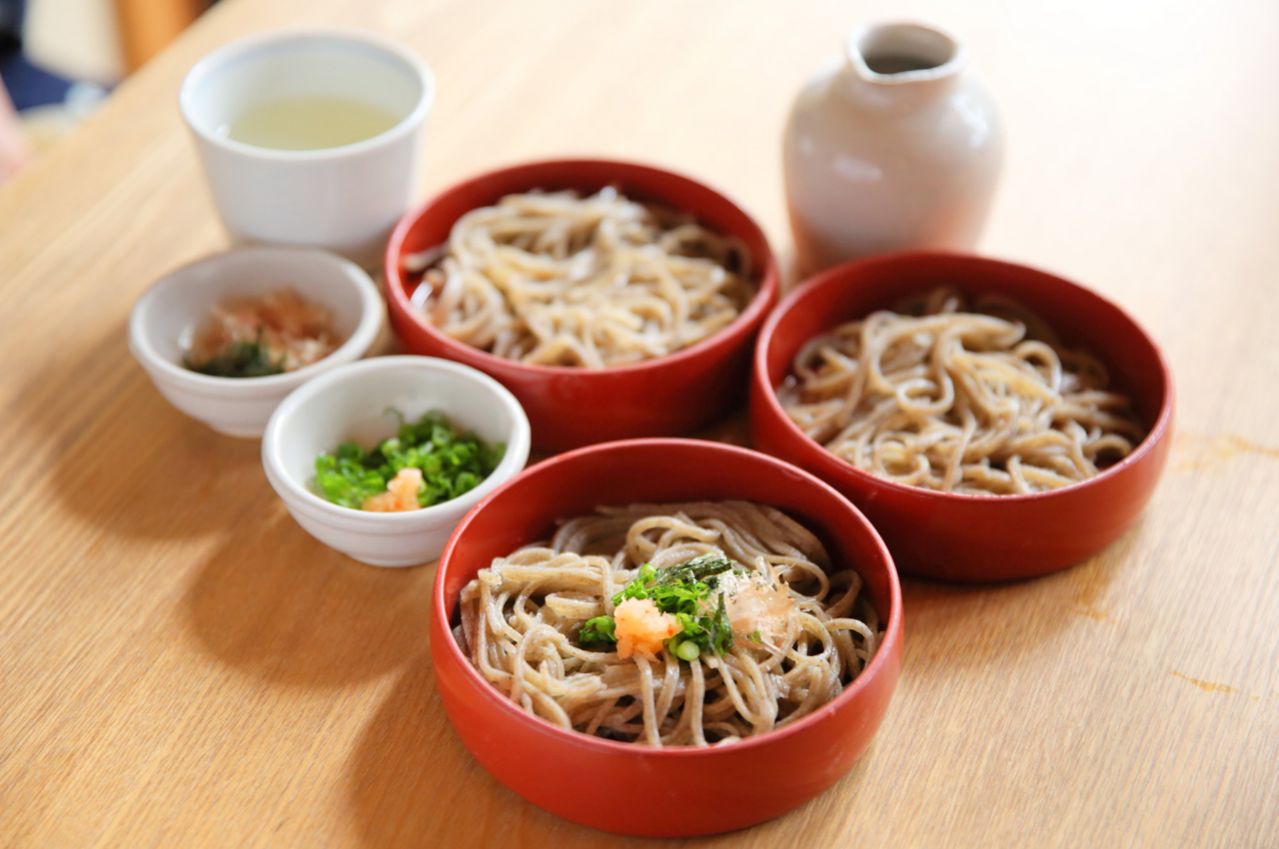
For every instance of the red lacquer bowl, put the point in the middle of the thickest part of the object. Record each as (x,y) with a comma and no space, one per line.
(569,407)
(635,789)
(965,537)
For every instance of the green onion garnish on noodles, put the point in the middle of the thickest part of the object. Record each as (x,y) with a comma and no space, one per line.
(685,592)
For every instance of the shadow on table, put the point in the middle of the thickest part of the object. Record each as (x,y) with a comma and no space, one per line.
(275,603)
(121,457)
(411,782)
(953,627)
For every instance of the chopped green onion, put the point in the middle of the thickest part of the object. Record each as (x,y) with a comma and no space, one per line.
(686,591)
(687,650)
(598,632)
(240,359)
(452,462)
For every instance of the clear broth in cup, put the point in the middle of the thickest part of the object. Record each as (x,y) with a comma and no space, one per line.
(311,122)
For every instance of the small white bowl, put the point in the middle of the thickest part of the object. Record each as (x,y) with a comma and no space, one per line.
(165,319)
(351,403)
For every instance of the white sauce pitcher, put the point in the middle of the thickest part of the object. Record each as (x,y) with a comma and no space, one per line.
(896,146)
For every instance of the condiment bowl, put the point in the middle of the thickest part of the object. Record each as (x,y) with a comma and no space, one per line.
(968,537)
(640,790)
(165,319)
(359,402)
(569,407)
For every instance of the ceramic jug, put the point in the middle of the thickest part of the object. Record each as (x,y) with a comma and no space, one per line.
(895,146)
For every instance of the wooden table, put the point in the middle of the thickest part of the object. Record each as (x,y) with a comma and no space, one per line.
(181,665)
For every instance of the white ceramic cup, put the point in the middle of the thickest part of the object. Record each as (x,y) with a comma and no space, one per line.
(345,198)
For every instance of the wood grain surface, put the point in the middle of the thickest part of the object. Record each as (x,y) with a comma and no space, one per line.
(181,665)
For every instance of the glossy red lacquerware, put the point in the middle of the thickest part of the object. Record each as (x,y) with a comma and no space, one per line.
(965,537)
(635,789)
(569,407)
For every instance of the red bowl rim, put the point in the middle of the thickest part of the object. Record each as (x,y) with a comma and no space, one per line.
(832,465)
(892,628)
(764,296)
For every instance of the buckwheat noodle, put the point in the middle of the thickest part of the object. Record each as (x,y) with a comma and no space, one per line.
(980,399)
(519,618)
(599,281)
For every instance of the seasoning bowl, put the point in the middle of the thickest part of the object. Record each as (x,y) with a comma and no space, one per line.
(570,407)
(684,790)
(166,317)
(961,537)
(354,403)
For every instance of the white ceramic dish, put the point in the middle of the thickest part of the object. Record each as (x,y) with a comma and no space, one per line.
(352,403)
(165,319)
(344,198)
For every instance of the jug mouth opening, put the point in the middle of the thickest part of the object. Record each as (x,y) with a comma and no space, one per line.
(895,53)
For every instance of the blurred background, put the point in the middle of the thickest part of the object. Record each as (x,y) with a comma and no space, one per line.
(59,58)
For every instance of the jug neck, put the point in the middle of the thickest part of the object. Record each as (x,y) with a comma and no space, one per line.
(900,65)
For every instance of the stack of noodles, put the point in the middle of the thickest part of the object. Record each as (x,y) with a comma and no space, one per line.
(519,619)
(558,279)
(978,399)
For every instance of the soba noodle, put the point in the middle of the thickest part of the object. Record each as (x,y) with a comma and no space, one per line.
(981,400)
(521,621)
(558,279)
